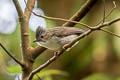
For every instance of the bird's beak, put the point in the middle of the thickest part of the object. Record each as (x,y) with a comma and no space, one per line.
(39,40)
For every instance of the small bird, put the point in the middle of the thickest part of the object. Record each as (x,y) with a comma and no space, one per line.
(55,38)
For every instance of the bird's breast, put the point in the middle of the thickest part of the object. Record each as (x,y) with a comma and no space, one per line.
(53,44)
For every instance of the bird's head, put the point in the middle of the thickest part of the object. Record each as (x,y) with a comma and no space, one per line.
(40,33)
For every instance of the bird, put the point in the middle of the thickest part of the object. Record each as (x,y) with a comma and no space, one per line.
(56,38)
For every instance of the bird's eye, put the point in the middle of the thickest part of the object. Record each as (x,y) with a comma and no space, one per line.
(42,36)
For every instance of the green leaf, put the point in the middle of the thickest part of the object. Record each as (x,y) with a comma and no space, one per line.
(13,69)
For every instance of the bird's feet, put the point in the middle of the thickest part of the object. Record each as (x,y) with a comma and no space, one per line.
(56,53)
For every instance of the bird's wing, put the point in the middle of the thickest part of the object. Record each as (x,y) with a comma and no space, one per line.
(65,31)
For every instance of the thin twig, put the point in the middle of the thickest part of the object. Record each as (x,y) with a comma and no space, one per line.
(99,27)
(104,17)
(106,24)
(60,19)
(114,4)
(28,11)
(38,77)
(18,8)
(104,12)
(109,32)
(11,55)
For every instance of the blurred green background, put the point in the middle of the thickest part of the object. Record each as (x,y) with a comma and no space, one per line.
(96,57)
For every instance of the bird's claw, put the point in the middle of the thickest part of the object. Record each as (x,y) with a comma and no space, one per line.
(56,53)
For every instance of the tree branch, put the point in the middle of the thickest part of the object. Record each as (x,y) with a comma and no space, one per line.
(28,11)
(18,62)
(42,66)
(114,4)
(60,19)
(18,8)
(106,24)
(24,28)
(38,77)
(81,12)
(37,51)
(109,32)
(52,59)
